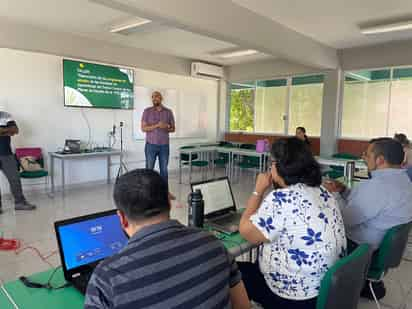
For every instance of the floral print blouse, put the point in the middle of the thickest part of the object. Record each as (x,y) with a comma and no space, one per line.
(306,236)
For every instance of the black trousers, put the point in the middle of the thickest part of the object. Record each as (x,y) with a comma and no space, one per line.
(259,292)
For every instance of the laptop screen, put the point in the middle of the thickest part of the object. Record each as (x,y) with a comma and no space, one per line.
(217,195)
(87,241)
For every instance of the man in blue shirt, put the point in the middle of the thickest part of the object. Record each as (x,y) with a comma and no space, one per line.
(372,207)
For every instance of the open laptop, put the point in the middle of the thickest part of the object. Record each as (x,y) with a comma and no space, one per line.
(85,241)
(220,209)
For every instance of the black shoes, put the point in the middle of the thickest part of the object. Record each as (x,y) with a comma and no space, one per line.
(378,289)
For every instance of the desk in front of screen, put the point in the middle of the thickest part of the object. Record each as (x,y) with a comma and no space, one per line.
(27,298)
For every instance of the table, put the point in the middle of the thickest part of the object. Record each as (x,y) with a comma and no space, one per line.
(330,161)
(70,298)
(231,151)
(251,153)
(80,156)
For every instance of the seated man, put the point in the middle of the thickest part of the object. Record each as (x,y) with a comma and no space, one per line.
(165,264)
(374,206)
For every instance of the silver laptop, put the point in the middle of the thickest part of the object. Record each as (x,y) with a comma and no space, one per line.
(220,208)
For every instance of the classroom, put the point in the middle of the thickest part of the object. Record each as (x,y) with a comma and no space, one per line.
(205,154)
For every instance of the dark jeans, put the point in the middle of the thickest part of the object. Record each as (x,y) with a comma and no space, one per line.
(259,292)
(152,152)
(8,166)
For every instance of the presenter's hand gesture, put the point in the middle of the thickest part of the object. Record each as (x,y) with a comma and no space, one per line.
(163,125)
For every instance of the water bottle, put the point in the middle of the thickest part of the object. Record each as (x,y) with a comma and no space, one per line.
(196,208)
(349,172)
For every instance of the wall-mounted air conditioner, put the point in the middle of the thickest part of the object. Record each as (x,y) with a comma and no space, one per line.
(208,71)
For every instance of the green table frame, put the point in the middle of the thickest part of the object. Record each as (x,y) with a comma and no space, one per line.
(70,298)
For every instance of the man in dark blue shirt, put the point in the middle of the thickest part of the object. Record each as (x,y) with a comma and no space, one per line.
(8,163)
(165,264)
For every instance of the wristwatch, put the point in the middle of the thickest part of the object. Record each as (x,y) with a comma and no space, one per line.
(256,193)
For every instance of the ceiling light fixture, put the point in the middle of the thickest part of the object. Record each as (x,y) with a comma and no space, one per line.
(236,53)
(130,25)
(399,26)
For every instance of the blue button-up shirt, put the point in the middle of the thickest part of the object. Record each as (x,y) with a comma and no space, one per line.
(376,205)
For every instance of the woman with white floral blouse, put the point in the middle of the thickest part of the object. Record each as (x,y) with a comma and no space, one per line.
(299,226)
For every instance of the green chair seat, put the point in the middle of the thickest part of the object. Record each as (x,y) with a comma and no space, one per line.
(34,174)
(220,162)
(200,163)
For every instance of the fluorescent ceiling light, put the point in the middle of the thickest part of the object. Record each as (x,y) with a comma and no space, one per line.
(236,53)
(399,26)
(129,25)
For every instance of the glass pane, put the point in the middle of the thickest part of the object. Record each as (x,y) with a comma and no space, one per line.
(368,76)
(400,114)
(365,107)
(306,108)
(242,109)
(309,79)
(405,73)
(270,105)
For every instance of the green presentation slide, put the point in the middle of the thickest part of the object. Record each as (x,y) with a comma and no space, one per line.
(95,85)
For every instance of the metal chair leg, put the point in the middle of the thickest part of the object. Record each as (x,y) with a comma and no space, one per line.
(374,296)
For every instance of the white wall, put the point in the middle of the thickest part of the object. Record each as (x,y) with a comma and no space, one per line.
(377,56)
(266,69)
(32,90)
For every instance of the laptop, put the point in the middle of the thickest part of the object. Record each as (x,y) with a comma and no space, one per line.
(220,208)
(72,146)
(85,241)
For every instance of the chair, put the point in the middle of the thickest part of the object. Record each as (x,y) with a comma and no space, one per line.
(341,286)
(185,159)
(36,153)
(223,158)
(389,255)
(336,172)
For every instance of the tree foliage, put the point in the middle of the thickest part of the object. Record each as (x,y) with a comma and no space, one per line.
(242,110)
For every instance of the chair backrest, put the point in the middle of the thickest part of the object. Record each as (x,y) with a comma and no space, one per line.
(35,152)
(392,248)
(342,284)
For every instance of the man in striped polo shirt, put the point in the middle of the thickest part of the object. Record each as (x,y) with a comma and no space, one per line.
(165,264)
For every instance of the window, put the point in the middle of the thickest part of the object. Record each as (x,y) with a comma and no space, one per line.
(377,103)
(264,106)
(306,104)
(270,106)
(365,104)
(400,111)
(242,107)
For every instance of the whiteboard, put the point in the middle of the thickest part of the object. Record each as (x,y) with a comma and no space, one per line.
(189,110)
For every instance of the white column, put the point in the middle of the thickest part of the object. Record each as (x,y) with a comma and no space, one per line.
(330,112)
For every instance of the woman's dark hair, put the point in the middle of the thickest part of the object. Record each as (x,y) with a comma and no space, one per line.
(304,133)
(295,162)
(401,138)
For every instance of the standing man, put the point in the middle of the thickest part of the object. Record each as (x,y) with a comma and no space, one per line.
(158,122)
(8,163)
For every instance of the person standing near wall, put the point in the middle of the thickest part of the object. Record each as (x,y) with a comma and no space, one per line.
(8,163)
(158,122)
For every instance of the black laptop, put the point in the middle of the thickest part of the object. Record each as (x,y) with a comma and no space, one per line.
(85,241)
(220,208)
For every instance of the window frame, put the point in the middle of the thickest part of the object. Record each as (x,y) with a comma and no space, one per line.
(342,98)
(286,114)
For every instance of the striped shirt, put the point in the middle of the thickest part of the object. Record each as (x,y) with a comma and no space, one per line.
(165,265)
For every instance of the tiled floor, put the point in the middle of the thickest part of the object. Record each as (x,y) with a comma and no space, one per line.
(36,229)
